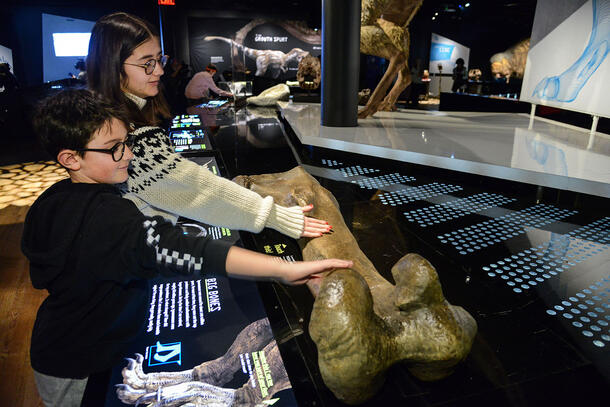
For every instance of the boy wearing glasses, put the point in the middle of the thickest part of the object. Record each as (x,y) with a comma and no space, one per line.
(93,250)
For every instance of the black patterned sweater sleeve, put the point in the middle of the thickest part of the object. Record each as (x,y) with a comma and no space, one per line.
(135,246)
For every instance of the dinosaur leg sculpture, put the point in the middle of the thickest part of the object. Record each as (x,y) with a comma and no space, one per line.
(400,39)
(404,80)
(396,63)
(361,323)
(374,41)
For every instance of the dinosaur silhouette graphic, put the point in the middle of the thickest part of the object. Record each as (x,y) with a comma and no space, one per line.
(276,62)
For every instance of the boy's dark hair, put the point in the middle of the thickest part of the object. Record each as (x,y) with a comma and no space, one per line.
(69,119)
(211,67)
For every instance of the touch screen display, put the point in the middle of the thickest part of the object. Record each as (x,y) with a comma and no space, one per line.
(190,140)
(213,104)
(186,121)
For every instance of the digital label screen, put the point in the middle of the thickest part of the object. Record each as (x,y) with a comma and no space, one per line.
(198,229)
(186,121)
(206,338)
(212,104)
(209,162)
(190,140)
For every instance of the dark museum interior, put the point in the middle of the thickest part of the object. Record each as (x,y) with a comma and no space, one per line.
(457,152)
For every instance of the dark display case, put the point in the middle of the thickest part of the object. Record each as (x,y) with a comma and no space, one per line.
(530,264)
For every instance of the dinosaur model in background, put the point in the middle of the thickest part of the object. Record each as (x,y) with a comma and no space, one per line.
(269,61)
(510,63)
(384,32)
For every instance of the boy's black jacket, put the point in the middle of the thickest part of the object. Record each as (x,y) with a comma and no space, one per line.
(93,251)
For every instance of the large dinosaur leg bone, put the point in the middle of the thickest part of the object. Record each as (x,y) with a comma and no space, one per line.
(361,323)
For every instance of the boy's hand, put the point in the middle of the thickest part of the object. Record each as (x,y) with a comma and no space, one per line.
(301,272)
(242,263)
(314,227)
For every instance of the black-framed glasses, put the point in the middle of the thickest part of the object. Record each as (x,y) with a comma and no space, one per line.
(116,151)
(150,65)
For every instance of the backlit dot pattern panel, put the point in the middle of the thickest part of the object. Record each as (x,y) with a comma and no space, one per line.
(331,163)
(488,233)
(356,171)
(404,196)
(383,180)
(598,231)
(531,267)
(457,208)
(589,312)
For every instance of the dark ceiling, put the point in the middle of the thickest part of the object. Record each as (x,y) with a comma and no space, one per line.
(485,26)
(480,11)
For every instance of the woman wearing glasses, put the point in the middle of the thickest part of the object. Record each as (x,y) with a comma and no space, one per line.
(125,65)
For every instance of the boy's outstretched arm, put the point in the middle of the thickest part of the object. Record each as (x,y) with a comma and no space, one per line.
(242,263)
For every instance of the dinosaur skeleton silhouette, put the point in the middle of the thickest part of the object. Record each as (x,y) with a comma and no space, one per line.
(267,60)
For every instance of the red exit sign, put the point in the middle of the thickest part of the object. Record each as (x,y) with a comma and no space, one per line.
(166,2)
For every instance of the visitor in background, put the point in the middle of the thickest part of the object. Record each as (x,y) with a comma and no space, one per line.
(199,87)
(460,76)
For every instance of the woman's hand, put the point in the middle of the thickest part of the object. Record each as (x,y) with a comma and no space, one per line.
(300,272)
(314,227)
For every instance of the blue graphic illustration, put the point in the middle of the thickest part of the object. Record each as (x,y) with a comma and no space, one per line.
(565,87)
(552,159)
(165,353)
(441,52)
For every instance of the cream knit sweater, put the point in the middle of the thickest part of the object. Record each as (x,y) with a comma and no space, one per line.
(163,183)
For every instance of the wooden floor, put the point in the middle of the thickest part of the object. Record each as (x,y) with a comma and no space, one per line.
(19,302)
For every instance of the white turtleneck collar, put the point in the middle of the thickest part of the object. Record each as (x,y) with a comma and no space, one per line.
(140,102)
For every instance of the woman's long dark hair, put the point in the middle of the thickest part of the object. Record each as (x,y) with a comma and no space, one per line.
(113,39)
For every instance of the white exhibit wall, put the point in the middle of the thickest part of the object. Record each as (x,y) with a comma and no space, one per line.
(6,56)
(58,63)
(569,68)
(444,52)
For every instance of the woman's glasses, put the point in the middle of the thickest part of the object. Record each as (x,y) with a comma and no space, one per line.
(117,151)
(150,65)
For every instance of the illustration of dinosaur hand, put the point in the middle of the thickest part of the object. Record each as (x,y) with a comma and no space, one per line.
(221,370)
(135,378)
(566,86)
(192,394)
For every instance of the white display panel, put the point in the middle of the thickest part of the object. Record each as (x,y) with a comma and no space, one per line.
(445,52)
(569,68)
(71,44)
(6,56)
(64,42)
